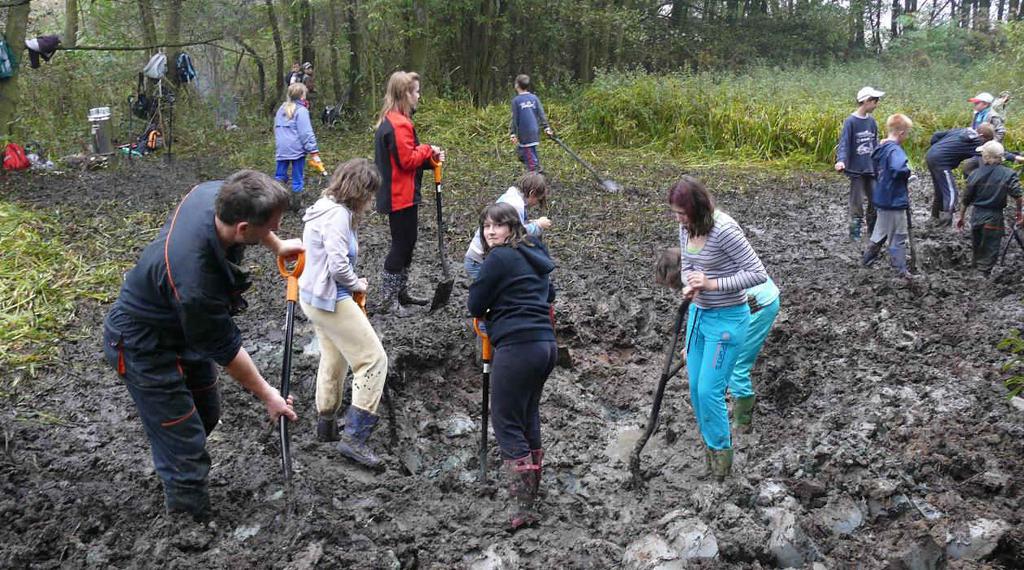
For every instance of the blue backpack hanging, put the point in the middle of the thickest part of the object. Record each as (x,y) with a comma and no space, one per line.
(186,71)
(8,61)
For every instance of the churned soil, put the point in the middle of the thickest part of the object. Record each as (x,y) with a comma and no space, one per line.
(882,436)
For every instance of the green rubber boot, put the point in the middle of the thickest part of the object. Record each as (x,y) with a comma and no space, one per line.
(721,463)
(743,414)
(709,470)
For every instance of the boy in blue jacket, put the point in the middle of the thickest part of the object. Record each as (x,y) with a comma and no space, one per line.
(528,119)
(853,157)
(890,197)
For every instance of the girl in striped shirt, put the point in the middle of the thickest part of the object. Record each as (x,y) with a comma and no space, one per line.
(717,266)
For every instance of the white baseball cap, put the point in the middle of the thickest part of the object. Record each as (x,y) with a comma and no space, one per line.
(869,92)
(983,97)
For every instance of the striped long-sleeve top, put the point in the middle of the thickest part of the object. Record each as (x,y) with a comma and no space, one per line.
(727,257)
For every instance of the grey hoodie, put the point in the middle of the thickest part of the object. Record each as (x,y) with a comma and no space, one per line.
(332,248)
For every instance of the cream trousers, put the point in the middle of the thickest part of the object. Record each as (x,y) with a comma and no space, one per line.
(347,340)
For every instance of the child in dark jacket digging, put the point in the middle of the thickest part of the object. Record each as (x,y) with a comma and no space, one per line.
(514,294)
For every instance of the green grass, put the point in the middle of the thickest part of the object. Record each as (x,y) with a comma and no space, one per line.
(43,277)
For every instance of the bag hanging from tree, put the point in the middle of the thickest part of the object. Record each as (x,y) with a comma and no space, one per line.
(156,67)
(8,61)
(186,70)
(142,106)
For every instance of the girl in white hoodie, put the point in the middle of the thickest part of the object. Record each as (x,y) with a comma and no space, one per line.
(326,289)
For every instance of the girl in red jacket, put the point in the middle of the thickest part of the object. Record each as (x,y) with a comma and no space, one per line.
(401,159)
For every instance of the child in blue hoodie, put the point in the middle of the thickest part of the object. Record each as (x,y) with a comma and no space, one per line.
(513,292)
(294,138)
(528,119)
(890,197)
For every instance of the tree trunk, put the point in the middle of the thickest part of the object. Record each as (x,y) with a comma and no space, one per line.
(148,22)
(172,31)
(876,25)
(306,29)
(964,21)
(261,72)
(71,23)
(17,21)
(1014,10)
(981,15)
(275,30)
(332,30)
(679,14)
(1000,10)
(293,31)
(355,47)
(894,17)
(417,44)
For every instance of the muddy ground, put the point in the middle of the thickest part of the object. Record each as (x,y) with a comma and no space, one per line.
(883,437)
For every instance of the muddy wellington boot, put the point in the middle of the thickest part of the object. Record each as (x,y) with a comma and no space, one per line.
(359,425)
(326,428)
(743,414)
(521,474)
(708,471)
(537,455)
(721,463)
(871,253)
(855,225)
(391,285)
(403,291)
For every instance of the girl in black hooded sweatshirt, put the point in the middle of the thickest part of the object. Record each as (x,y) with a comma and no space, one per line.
(514,294)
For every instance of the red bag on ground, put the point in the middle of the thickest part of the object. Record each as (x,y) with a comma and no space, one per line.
(14,157)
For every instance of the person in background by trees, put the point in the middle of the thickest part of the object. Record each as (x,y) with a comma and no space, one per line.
(514,294)
(528,119)
(857,141)
(293,139)
(987,189)
(310,83)
(294,76)
(987,109)
(891,196)
(401,159)
(173,323)
(326,289)
(764,305)
(717,266)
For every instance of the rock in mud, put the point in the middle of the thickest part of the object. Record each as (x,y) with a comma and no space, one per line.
(458,425)
(922,554)
(976,540)
(499,556)
(651,552)
(309,557)
(842,517)
(770,493)
(788,544)
(693,539)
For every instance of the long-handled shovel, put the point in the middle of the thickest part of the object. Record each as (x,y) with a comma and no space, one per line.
(607,184)
(291,297)
(444,288)
(1014,236)
(485,386)
(668,372)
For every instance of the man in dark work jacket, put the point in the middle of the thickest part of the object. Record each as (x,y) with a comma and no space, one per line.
(173,320)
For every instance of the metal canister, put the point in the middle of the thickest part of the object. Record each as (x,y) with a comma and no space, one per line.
(101,130)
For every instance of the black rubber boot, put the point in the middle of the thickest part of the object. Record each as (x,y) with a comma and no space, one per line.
(871,253)
(391,285)
(359,424)
(403,291)
(521,474)
(326,428)
(537,456)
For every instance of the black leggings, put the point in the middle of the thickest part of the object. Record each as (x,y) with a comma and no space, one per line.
(404,227)
(518,374)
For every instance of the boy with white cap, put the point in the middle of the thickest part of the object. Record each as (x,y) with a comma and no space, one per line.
(853,156)
(986,110)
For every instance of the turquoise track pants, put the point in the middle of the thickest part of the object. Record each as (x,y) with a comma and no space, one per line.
(760,325)
(713,343)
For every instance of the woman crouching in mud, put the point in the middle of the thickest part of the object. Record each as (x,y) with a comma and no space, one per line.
(717,266)
(513,292)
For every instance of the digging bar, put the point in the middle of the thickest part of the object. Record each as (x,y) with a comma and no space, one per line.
(667,372)
(444,288)
(607,184)
(485,387)
(1014,236)
(292,297)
